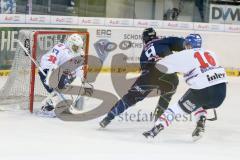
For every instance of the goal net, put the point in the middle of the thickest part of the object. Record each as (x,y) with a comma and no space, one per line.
(23,86)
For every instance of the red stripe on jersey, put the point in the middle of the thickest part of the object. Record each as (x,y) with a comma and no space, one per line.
(201,111)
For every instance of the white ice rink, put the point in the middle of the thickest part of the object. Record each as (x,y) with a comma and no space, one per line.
(24,136)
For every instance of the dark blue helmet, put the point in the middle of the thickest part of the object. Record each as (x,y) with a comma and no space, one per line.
(148,35)
(194,40)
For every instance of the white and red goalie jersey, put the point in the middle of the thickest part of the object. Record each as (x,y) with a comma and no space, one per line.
(58,55)
(200,67)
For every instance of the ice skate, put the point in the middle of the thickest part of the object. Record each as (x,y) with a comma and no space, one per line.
(200,128)
(47,111)
(104,122)
(154,131)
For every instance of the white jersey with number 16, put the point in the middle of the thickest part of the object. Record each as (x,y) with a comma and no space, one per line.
(200,67)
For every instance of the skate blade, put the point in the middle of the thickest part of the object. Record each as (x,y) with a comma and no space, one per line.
(196,138)
(44,115)
(102,127)
(147,135)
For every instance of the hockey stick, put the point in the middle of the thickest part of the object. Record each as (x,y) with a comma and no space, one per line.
(215,116)
(71,108)
(33,60)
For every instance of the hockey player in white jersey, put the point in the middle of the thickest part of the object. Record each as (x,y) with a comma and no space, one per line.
(55,57)
(206,79)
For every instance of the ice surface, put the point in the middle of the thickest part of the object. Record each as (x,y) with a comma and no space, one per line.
(24,136)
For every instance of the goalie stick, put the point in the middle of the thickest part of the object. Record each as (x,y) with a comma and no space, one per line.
(71,107)
(28,54)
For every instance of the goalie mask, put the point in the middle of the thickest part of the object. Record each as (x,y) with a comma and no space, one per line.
(75,43)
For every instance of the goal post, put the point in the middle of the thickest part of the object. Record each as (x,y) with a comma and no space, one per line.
(23,86)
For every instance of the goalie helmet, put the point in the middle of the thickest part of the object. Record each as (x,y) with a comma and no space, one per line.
(75,43)
(193,40)
(148,35)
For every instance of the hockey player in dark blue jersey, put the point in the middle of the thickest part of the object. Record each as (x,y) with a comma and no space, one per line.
(150,78)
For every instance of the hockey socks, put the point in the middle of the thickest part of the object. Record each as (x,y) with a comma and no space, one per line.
(169,115)
(164,120)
